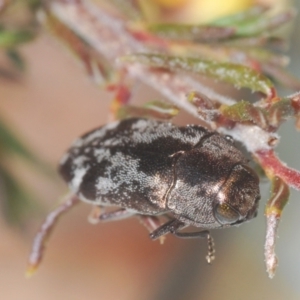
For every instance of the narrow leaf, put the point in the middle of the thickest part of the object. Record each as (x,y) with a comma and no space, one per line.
(151,110)
(282,76)
(282,110)
(197,33)
(16,202)
(9,144)
(130,9)
(262,25)
(266,56)
(253,12)
(162,107)
(238,75)
(96,66)
(207,109)
(11,38)
(244,111)
(16,58)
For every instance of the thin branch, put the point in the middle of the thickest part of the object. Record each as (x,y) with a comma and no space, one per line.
(279,198)
(112,39)
(272,165)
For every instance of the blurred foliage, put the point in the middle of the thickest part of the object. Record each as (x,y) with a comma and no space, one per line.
(153,109)
(18,25)
(236,74)
(252,22)
(17,201)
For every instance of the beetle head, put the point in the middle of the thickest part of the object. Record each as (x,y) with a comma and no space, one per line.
(237,199)
(213,195)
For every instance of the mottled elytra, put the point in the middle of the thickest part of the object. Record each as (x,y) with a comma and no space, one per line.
(147,168)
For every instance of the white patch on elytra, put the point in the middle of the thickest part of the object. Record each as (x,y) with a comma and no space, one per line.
(125,170)
(78,161)
(101,154)
(140,125)
(78,175)
(79,171)
(145,131)
(112,125)
(112,142)
(77,143)
(99,133)
(104,185)
(87,150)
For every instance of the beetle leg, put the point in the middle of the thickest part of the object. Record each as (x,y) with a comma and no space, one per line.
(42,236)
(115,215)
(94,216)
(151,223)
(191,235)
(168,227)
(174,226)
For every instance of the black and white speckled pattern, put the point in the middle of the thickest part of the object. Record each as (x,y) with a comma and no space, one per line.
(151,167)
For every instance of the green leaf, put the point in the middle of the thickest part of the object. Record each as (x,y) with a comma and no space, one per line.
(162,107)
(254,21)
(282,110)
(154,109)
(281,76)
(238,75)
(262,25)
(249,14)
(10,144)
(266,56)
(130,9)
(197,33)
(244,111)
(12,38)
(34,4)
(17,204)
(16,58)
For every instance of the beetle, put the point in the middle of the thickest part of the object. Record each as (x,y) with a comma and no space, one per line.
(148,168)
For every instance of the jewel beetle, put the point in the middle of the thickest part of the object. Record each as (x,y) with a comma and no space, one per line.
(193,176)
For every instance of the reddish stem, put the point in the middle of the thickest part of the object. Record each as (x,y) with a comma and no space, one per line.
(273,166)
(279,198)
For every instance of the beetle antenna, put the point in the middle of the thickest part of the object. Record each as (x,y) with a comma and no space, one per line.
(94,216)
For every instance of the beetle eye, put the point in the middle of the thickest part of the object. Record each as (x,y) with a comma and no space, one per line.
(225,214)
(229,138)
